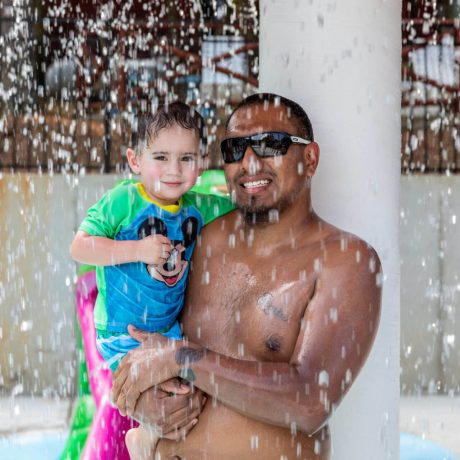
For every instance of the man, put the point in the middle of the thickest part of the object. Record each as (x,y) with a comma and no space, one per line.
(281,312)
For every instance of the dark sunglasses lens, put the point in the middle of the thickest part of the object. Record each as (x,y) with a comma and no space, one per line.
(270,144)
(233,149)
(264,145)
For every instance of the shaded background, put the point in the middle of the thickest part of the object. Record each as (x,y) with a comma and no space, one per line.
(73,76)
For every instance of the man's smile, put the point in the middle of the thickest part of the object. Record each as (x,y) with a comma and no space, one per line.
(254,184)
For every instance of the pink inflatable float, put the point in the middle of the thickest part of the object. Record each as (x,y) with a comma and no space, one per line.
(106,439)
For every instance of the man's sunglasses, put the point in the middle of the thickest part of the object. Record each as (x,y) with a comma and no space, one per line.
(271,144)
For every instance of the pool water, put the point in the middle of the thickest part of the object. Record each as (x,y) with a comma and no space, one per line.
(36,446)
(415,448)
(48,446)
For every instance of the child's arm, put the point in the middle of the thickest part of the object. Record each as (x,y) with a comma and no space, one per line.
(101,251)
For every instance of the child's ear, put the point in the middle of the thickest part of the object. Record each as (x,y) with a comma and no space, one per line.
(133,161)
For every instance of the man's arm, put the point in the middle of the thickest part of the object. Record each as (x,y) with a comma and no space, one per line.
(336,334)
(102,251)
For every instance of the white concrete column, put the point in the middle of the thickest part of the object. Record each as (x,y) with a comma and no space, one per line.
(341,61)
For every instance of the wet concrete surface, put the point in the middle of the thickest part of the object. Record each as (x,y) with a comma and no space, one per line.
(31,414)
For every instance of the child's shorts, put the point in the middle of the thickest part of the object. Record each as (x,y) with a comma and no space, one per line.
(113,346)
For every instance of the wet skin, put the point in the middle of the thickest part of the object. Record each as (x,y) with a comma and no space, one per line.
(280,315)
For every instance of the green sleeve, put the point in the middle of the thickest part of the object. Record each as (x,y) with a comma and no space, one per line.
(106,216)
(211,206)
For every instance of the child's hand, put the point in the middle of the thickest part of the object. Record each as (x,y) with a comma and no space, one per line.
(154,249)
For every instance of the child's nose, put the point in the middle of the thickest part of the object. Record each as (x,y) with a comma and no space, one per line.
(174,167)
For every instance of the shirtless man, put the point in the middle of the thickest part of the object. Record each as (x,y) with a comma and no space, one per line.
(281,312)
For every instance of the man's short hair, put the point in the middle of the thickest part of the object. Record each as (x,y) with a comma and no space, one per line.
(148,125)
(295,110)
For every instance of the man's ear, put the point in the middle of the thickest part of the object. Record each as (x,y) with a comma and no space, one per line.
(312,158)
(133,161)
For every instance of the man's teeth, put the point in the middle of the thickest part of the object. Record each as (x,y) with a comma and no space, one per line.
(256,183)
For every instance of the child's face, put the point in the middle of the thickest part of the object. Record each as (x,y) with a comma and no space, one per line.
(169,164)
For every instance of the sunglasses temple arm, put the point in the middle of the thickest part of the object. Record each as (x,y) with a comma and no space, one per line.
(299,140)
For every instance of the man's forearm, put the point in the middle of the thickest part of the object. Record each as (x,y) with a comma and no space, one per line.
(283,394)
(271,392)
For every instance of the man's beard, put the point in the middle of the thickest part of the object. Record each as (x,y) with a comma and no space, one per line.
(257,215)
(254,213)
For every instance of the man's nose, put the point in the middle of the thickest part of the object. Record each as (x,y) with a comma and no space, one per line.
(251,162)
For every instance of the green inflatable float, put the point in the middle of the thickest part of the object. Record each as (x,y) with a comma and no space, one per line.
(210,182)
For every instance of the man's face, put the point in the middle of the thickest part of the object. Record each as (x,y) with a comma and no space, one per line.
(259,185)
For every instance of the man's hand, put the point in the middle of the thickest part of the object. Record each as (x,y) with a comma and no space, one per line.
(154,249)
(171,408)
(148,365)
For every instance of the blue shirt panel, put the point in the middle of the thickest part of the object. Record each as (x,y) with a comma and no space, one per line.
(133,296)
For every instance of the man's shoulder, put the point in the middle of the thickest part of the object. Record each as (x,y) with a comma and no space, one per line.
(343,239)
(348,268)
(344,248)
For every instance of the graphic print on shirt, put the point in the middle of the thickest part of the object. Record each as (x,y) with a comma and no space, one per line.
(172,271)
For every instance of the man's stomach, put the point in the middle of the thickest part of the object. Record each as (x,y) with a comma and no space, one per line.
(222,434)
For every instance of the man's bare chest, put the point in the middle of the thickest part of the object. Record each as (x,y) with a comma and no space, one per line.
(251,309)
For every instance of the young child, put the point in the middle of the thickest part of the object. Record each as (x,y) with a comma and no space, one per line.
(141,235)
